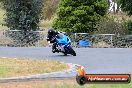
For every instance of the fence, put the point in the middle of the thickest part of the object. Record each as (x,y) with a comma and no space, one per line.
(103,40)
(16,38)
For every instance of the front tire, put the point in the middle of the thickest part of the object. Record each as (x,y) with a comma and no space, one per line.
(72,51)
(65,54)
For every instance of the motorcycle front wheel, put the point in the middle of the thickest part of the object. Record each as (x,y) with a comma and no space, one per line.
(72,51)
(65,54)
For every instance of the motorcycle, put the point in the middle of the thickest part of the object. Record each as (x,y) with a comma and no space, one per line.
(63,44)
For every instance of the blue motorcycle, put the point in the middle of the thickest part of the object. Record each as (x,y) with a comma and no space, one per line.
(63,44)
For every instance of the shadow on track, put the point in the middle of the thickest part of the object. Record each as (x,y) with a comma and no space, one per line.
(60,56)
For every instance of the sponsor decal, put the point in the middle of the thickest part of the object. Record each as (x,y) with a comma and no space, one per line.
(83,78)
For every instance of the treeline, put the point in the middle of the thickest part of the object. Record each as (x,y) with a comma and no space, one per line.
(112,23)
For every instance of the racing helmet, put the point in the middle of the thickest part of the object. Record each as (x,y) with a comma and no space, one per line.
(51,31)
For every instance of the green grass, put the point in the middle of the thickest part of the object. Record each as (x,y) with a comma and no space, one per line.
(24,67)
(96,86)
(60,84)
(113,86)
(4,71)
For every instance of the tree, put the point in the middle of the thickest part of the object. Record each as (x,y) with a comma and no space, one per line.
(126,6)
(108,25)
(79,15)
(23,15)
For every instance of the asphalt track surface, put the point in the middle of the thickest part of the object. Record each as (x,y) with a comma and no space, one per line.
(95,60)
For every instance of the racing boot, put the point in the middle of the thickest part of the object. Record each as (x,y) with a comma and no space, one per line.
(54,48)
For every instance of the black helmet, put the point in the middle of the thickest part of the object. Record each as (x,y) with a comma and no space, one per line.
(51,31)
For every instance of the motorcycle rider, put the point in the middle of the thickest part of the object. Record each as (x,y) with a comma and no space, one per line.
(50,37)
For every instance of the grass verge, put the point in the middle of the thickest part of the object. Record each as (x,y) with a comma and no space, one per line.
(60,84)
(24,67)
